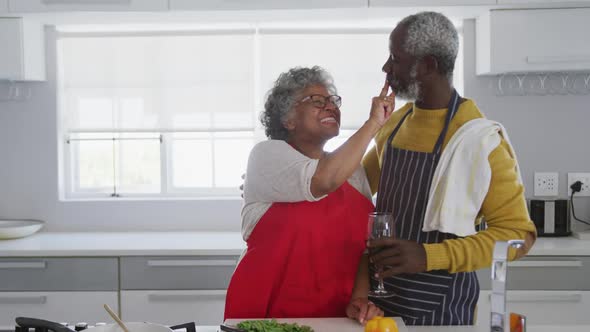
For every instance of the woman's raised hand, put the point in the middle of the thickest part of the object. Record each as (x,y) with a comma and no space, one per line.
(382,106)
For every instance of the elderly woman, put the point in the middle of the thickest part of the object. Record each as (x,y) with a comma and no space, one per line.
(305,212)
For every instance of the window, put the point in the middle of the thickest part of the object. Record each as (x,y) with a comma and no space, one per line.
(170,114)
(166,114)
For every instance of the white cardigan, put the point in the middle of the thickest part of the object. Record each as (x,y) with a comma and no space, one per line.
(462,177)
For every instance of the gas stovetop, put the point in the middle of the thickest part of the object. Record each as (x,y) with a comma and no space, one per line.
(81,326)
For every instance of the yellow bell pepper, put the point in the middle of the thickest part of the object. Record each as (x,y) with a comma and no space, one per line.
(381,324)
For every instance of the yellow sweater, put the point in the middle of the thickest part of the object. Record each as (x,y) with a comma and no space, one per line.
(504,207)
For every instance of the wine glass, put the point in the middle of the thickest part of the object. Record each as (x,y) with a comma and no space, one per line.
(381,225)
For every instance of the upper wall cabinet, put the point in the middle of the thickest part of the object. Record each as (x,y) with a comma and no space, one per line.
(263,4)
(535,40)
(541,2)
(25,6)
(3,6)
(23,50)
(437,3)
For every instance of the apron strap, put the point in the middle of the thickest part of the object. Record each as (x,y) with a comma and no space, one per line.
(399,124)
(452,110)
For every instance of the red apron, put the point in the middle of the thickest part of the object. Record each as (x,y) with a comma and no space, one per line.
(301,259)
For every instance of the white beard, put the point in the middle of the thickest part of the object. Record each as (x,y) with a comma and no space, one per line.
(412,91)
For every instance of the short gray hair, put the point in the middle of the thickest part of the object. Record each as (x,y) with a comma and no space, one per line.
(430,33)
(281,97)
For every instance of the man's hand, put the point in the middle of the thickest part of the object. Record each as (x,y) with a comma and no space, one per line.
(397,256)
(362,310)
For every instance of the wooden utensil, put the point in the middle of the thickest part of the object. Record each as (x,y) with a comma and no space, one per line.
(116,318)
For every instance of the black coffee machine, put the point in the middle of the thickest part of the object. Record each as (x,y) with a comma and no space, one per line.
(551,217)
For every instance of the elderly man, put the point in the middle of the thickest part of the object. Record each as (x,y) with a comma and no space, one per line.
(431,272)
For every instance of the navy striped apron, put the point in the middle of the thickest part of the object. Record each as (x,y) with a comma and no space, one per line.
(428,298)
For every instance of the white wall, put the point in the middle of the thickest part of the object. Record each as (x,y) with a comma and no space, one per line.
(549,133)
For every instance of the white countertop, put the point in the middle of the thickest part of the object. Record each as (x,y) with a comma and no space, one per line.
(335,324)
(48,244)
(530,328)
(560,246)
(347,325)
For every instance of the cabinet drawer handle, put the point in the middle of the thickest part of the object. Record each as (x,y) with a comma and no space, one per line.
(23,265)
(198,296)
(23,299)
(573,297)
(86,2)
(558,59)
(545,264)
(181,263)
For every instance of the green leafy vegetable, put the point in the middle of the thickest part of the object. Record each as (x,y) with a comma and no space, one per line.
(272,326)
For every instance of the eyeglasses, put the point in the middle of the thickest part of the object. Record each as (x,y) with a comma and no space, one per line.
(320,101)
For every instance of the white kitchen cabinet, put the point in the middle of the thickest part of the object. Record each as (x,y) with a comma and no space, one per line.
(567,273)
(437,3)
(548,290)
(58,274)
(205,307)
(541,307)
(533,40)
(57,289)
(28,6)
(175,290)
(176,273)
(263,4)
(23,50)
(56,306)
(541,2)
(3,6)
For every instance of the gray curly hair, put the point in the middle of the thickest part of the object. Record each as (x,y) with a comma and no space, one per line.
(281,97)
(431,33)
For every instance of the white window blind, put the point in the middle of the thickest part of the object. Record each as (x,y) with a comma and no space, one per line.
(159,82)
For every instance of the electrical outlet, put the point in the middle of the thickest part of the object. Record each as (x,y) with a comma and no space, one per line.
(584,178)
(546,184)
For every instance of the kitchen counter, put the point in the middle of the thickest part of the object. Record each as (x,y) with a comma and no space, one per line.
(48,244)
(53,244)
(120,244)
(532,328)
(546,328)
(347,325)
